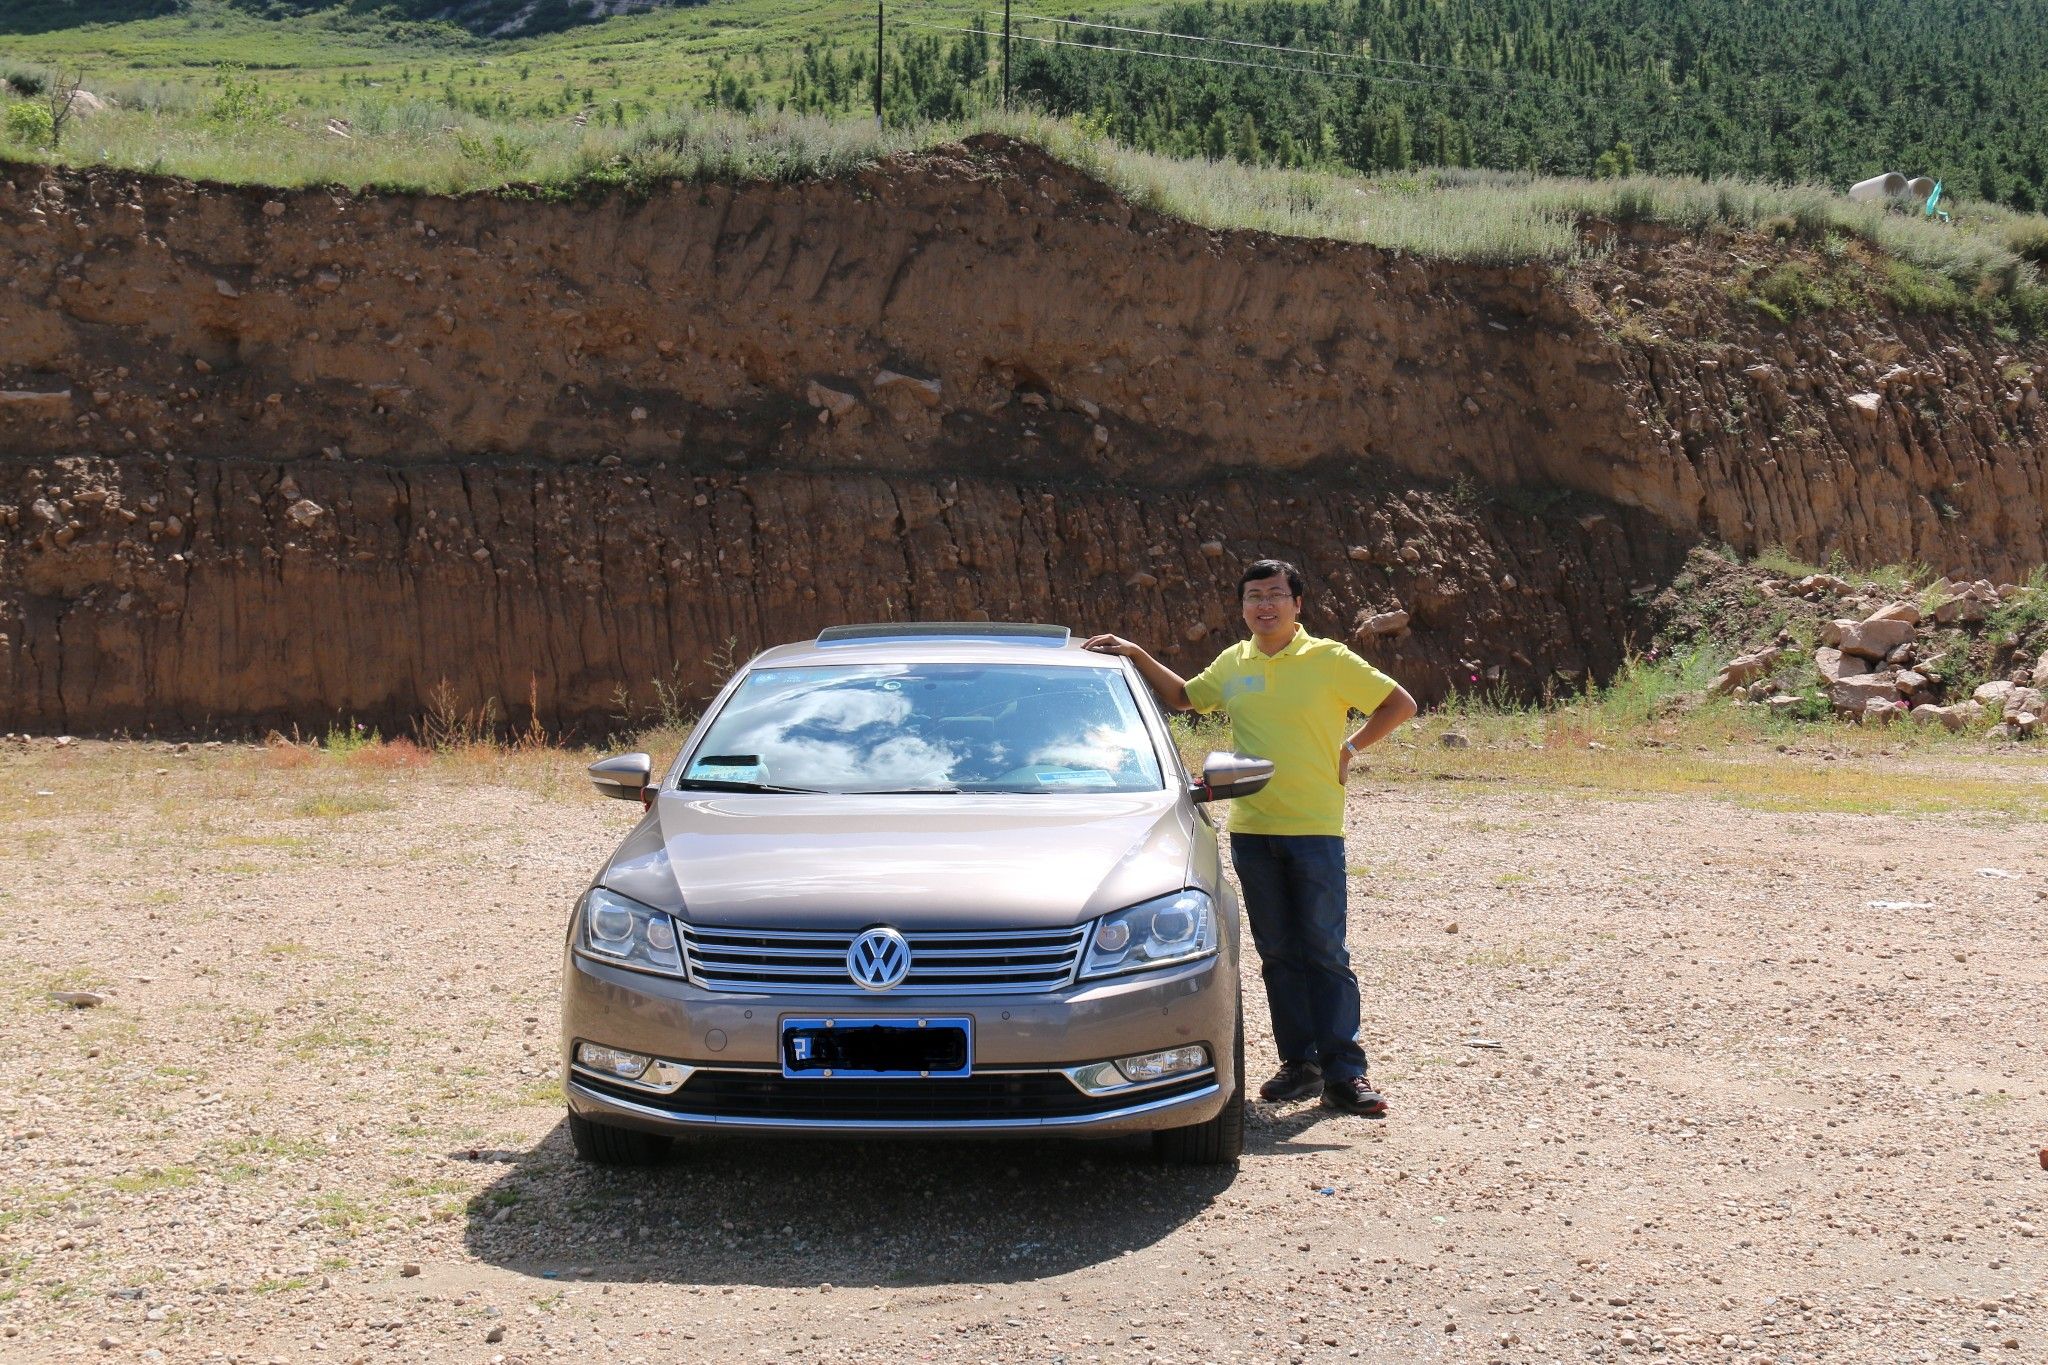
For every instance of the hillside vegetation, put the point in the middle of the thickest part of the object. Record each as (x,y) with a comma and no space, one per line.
(1784,90)
(1693,113)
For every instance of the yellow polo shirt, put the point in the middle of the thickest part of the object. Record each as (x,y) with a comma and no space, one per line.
(1294,708)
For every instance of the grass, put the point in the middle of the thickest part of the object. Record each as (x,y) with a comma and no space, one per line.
(214,94)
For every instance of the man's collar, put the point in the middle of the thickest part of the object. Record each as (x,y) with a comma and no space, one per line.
(1292,647)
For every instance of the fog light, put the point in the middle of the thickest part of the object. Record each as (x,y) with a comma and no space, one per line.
(1152,1066)
(626,1065)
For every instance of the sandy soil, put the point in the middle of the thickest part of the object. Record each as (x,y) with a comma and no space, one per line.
(1672,1087)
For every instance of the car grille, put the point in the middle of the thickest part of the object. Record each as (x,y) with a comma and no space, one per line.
(982,1097)
(942,962)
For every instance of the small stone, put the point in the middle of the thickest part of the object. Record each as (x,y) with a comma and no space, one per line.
(1361,553)
(274,209)
(1868,404)
(837,402)
(1451,928)
(925,391)
(305,512)
(409,1269)
(83,1000)
(496,1334)
(1451,739)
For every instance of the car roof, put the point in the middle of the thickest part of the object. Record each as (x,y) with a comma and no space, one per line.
(937,642)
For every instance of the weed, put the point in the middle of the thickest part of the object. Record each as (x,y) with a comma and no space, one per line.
(336,804)
(346,739)
(154,1179)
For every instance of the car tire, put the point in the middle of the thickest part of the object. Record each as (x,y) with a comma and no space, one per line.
(603,1145)
(1220,1141)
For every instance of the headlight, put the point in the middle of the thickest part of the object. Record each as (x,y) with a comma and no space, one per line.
(1156,933)
(624,931)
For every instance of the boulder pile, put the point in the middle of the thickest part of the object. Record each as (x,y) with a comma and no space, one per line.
(1887,663)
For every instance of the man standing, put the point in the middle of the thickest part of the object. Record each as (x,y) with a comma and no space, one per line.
(1289,696)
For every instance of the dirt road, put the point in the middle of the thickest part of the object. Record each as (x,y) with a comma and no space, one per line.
(1689,1079)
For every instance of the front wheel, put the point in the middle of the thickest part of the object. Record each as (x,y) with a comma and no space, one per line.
(603,1145)
(1218,1142)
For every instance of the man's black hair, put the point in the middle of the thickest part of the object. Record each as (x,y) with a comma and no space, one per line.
(1270,568)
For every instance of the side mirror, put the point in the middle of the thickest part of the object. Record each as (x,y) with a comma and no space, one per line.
(1227,775)
(624,776)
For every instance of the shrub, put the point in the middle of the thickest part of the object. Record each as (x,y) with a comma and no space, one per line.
(31,125)
(1792,290)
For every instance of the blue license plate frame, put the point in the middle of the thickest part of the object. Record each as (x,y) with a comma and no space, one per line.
(792,1031)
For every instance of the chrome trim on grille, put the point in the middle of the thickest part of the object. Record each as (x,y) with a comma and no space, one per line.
(660,1077)
(889,1125)
(942,961)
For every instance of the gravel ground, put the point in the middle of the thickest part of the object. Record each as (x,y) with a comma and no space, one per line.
(1664,1083)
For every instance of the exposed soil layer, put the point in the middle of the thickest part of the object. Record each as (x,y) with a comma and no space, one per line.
(563,585)
(501,417)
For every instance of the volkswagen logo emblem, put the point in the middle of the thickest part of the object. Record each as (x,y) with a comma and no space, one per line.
(878,960)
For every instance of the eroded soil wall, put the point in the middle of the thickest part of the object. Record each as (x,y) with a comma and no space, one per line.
(279,456)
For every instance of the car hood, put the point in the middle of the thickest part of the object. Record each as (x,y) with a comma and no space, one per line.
(846,862)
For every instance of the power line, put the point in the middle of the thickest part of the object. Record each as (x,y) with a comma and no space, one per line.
(1270,47)
(1175,56)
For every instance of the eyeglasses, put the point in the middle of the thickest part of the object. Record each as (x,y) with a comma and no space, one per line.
(1260,599)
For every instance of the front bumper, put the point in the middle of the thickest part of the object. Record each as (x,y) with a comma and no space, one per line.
(724,1049)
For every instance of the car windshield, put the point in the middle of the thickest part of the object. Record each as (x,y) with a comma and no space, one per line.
(928,727)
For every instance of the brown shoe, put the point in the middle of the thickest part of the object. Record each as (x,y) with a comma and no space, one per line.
(1293,1081)
(1355,1095)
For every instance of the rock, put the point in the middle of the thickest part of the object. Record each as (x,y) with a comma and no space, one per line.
(1831,631)
(2025,699)
(225,290)
(1874,639)
(1883,710)
(1833,665)
(1196,632)
(274,209)
(1820,583)
(31,403)
(1947,717)
(495,1335)
(66,741)
(1897,611)
(1384,623)
(835,401)
(924,391)
(1910,682)
(409,1269)
(2041,673)
(1852,696)
(1784,703)
(1867,404)
(1745,669)
(1451,739)
(1362,554)
(2026,723)
(305,512)
(1212,549)
(83,1000)
(1992,696)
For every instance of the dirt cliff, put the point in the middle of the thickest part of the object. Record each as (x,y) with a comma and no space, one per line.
(281,456)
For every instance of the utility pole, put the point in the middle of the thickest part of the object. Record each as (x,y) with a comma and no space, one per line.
(878,65)
(1006,56)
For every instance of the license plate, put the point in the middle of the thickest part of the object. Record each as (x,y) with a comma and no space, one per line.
(865,1046)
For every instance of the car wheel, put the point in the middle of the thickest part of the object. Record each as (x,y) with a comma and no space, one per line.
(1220,1141)
(603,1145)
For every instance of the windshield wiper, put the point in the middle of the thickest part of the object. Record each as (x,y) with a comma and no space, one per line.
(905,791)
(722,784)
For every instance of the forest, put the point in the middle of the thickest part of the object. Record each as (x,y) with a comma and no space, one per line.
(1828,91)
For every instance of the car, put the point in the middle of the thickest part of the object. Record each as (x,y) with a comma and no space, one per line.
(935,880)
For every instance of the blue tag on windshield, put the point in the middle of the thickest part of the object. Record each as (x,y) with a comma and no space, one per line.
(1078,777)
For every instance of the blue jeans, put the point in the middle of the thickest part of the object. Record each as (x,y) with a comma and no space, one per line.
(1294,899)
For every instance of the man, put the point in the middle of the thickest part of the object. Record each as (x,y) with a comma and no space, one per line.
(1289,696)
